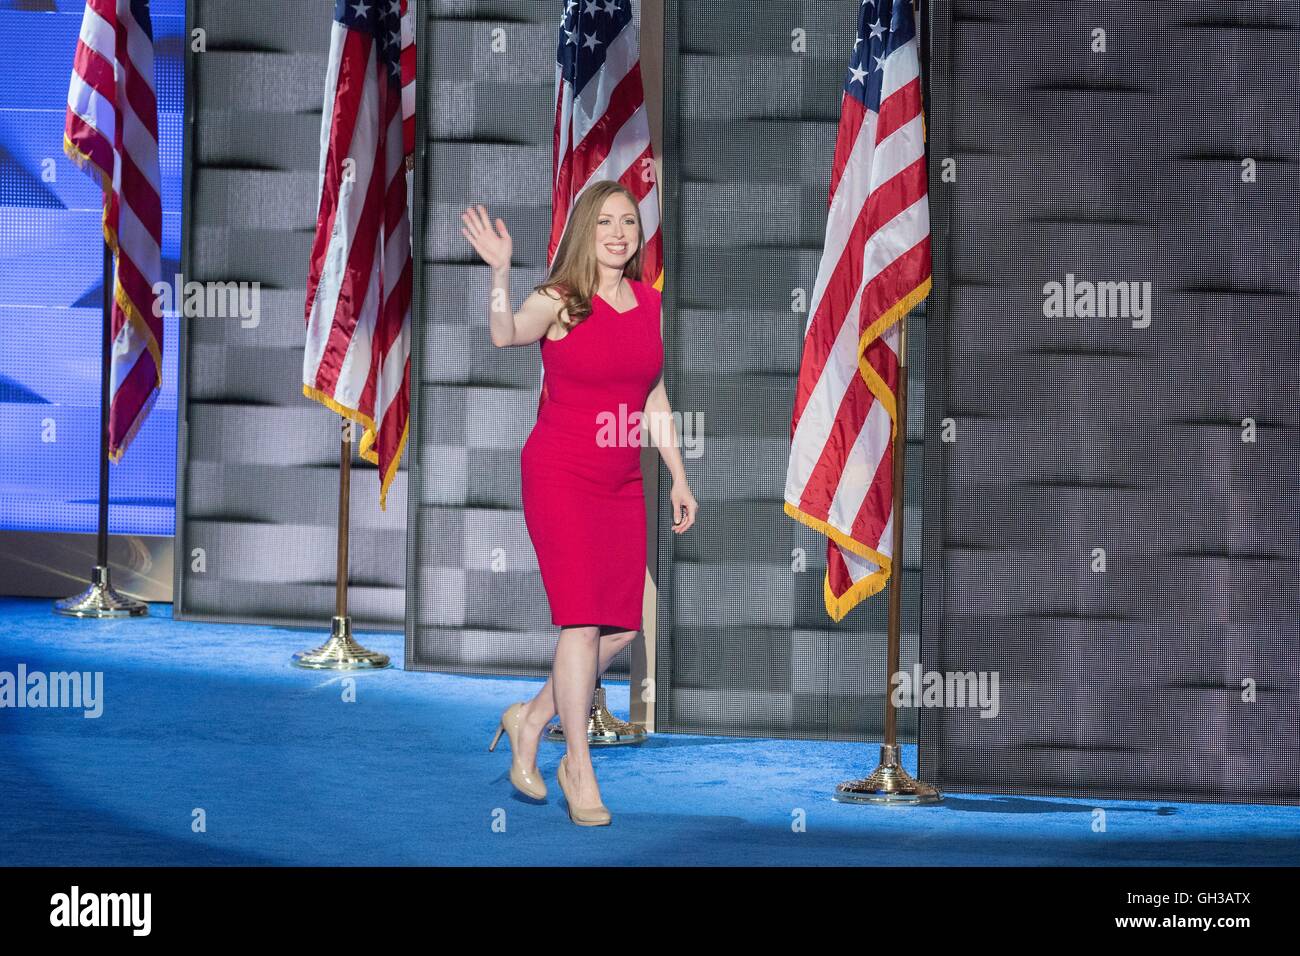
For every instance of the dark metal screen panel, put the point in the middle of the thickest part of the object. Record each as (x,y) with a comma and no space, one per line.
(257,483)
(476,603)
(745,646)
(1073,434)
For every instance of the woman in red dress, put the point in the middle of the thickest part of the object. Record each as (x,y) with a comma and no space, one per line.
(580,468)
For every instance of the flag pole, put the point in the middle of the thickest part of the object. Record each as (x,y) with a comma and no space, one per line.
(101,599)
(889,783)
(341,652)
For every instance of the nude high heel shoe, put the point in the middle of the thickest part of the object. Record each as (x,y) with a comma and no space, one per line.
(527,782)
(593,816)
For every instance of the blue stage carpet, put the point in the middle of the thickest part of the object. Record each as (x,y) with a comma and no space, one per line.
(214,717)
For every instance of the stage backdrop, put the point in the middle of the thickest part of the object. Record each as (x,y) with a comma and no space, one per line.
(1112,511)
(745,647)
(258,470)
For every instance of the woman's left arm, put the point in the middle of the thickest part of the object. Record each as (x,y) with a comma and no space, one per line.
(663,432)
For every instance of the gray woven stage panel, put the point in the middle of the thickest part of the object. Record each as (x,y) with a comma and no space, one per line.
(1074,434)
(258,475)
(487,74)
(745,646)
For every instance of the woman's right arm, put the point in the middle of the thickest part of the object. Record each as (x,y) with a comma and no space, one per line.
(494,245)
(538,313)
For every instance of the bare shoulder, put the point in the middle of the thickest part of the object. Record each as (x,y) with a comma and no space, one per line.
(545,298)
(548,303)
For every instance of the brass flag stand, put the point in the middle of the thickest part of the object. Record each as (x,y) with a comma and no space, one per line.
(889,783)
(341,652)
(101,599)
(603,728)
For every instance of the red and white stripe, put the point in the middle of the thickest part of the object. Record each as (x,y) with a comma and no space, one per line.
(408,77)
(357,356)
(875,267)
(111,129)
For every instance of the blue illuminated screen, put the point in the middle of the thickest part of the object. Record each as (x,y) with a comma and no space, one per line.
(51,264)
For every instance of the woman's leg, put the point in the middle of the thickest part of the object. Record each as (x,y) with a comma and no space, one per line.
(573,676)
(539,711)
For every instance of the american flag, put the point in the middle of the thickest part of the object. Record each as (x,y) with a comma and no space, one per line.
(875,268)
(601,127)
(111,131)
(357,359)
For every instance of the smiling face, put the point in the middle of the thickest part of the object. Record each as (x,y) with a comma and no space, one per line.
(617,233)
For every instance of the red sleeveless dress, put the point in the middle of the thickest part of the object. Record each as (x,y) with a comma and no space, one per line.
(580,468)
